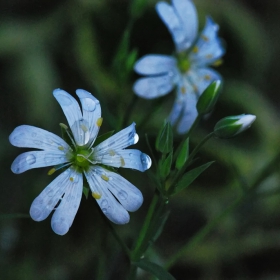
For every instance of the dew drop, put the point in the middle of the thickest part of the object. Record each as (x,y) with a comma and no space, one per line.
(30,159)
(122,195)
(104,203)
(130,154)
(146,161)
(104,210)
(88,104)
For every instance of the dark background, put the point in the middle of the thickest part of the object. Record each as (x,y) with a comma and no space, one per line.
(72,44)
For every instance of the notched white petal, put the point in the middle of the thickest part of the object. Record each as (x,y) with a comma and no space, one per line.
(154,64)
(26,136)
(208,48)
(129,158)
(112,209)
(153,87)
(36,159)
(46,201)
(65,213)
(124,138)
(91,113)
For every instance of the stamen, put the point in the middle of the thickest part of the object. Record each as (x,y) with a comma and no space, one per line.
(183,90)
(209,56)
(96,195)
(111,152)
(84,128)
(207,77)
(99,122)
(105,178)
(122,162)
(51,171)
(195,49)
(218,62)
(61,148)
(205,38)
(65,127)
(71,179)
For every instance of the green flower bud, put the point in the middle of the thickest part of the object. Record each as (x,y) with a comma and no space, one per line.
(231,126)
(208,98)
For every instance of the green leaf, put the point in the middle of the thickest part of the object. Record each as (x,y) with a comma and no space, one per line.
(208,98)
(131,59)
(164,141)
(183,155)
(165,166)
(160,225)
(154,269)
(103,137)
(14,216)
(86,191)
(190,176)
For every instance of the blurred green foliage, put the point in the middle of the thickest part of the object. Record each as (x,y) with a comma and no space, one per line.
(92,44)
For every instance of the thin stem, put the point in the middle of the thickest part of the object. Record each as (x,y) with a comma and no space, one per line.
(136,252)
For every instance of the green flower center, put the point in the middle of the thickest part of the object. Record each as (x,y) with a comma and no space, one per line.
(183,62)
(81,158)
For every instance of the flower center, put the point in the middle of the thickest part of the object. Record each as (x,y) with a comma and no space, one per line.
(183,63)
(81,158)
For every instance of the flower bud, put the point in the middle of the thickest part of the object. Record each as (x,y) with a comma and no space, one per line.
(208,98)
(231,126)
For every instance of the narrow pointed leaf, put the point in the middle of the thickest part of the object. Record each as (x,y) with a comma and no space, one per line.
(190,176)
(165,166)
(164,141)
(183,155)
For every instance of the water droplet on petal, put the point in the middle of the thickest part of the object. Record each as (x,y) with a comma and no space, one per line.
(146,161)
(104,210)
(30,159)
(50,193)
(122,195)
(104,203)
(88,104)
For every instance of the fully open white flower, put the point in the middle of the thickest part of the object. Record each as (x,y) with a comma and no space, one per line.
(188,69)
(114,194)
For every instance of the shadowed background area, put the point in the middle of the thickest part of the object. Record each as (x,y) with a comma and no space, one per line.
(76,44)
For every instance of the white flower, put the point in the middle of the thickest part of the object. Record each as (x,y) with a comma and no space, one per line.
(188,69)
(114,194)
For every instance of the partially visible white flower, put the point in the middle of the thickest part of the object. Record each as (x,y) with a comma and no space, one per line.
(114,194)
(188,69)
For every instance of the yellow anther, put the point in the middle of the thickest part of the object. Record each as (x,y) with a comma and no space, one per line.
(183,90)
(205,38)
(96,195)
(195,88)
(51,171)
(61,148)
(63,125)
(209,56)
(84,128)
(105,178)
(122,162)
(99,122)
(71,179)
(195,49)
(111,152)
(207,77)
(218,62)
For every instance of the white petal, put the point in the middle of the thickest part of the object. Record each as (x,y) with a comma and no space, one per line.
(91,112)
(208,48)
(46,201)
(176,111)
(173,23)
(65,213)
(129,158)
(188,16)
(36,159)
(152,87)
(72,111)
(154,64)
(189,113)
(118,141)
(201,78)
(27,136)
(111,208)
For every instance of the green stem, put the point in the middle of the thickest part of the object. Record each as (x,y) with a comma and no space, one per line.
(139,243)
